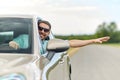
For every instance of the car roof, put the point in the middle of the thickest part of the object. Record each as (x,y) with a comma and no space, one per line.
(18,15)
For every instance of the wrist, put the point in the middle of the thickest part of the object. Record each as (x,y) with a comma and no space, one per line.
(94,41)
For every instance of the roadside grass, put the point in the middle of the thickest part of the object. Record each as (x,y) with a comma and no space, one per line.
(113,44)
(72,51)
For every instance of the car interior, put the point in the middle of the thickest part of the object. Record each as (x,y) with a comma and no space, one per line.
(11,28)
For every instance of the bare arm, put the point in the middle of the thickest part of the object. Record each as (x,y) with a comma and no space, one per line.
(80,43)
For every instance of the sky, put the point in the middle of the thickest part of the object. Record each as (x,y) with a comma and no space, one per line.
(67,16)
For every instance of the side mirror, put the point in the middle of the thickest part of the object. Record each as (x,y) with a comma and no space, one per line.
(57,45)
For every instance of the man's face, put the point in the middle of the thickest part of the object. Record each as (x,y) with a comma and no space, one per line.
(44,30)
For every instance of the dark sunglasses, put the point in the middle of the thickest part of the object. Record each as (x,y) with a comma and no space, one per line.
(45,30)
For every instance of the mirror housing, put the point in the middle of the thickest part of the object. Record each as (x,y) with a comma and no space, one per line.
(58,45)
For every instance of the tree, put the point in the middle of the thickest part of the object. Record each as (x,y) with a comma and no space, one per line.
(112,28)
(102,30)
(108,30)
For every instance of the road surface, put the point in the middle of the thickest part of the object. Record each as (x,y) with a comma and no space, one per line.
(96,62)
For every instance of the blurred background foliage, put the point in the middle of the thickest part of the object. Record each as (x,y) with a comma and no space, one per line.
(102,30)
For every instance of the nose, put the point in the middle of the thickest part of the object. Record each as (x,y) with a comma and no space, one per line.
(42,30)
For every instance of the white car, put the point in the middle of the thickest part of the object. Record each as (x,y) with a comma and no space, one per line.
(28,63)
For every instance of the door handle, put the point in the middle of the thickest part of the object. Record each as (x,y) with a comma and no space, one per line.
(61,61)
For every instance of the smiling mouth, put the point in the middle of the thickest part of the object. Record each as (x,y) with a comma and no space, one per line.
(42,34)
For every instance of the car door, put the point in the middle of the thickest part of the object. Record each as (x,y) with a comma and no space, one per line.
(57,66)
(61,68)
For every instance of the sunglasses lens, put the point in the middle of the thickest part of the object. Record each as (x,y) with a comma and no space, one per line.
(40,28)
(45,30)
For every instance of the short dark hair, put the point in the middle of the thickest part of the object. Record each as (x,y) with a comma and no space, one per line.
(43,21)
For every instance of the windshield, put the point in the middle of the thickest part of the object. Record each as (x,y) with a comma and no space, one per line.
(11,29)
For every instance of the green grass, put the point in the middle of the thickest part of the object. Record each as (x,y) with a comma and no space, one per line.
(113,44)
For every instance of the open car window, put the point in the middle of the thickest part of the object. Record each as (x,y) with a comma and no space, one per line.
(13,27)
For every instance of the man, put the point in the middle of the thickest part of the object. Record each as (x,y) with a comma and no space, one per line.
(44,28)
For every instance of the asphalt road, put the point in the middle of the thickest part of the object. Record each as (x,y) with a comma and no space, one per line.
(96,62)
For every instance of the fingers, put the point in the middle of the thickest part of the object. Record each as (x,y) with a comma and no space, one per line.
(104,38)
